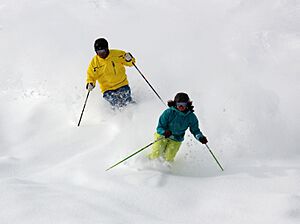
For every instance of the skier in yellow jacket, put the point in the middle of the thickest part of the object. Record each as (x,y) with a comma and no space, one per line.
(108,68)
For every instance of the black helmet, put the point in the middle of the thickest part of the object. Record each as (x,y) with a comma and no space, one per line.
(182,98)
(100,44)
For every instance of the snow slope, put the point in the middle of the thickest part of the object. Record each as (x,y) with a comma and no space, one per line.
(237,59)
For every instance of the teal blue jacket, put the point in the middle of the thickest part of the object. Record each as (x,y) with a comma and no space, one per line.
(178,122)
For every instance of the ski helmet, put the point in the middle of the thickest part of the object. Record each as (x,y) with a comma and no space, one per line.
(100,44)
(181,97)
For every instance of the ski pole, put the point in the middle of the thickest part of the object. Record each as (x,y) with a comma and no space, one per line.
(214,157)
(83,107)
(149,84)
(134,153)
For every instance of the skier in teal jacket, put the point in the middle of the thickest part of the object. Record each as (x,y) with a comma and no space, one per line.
(172,125)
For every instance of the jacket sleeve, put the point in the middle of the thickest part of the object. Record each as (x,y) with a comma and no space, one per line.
(91,73)
(163,122)
(194,128)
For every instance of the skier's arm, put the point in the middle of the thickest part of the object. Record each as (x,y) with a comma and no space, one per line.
(92,69)
(163,122)
(194,128)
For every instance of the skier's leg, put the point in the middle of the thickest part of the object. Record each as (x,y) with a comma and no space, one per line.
(125,95)
(110,97)
(171,150)
(158,147)
(118,98)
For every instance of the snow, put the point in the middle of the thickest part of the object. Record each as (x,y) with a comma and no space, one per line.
(237,59)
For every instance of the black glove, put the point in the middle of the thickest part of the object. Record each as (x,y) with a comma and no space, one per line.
(90,86)
(167,134)
(203,140)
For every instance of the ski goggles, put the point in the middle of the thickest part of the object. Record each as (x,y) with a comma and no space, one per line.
(181,104)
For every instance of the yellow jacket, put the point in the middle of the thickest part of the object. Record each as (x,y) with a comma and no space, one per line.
(110,72)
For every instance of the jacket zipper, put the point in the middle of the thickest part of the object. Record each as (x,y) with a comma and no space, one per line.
(114,67)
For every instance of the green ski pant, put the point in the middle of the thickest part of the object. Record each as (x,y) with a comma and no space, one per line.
(167,148)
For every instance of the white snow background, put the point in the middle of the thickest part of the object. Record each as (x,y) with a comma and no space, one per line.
(237,59)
